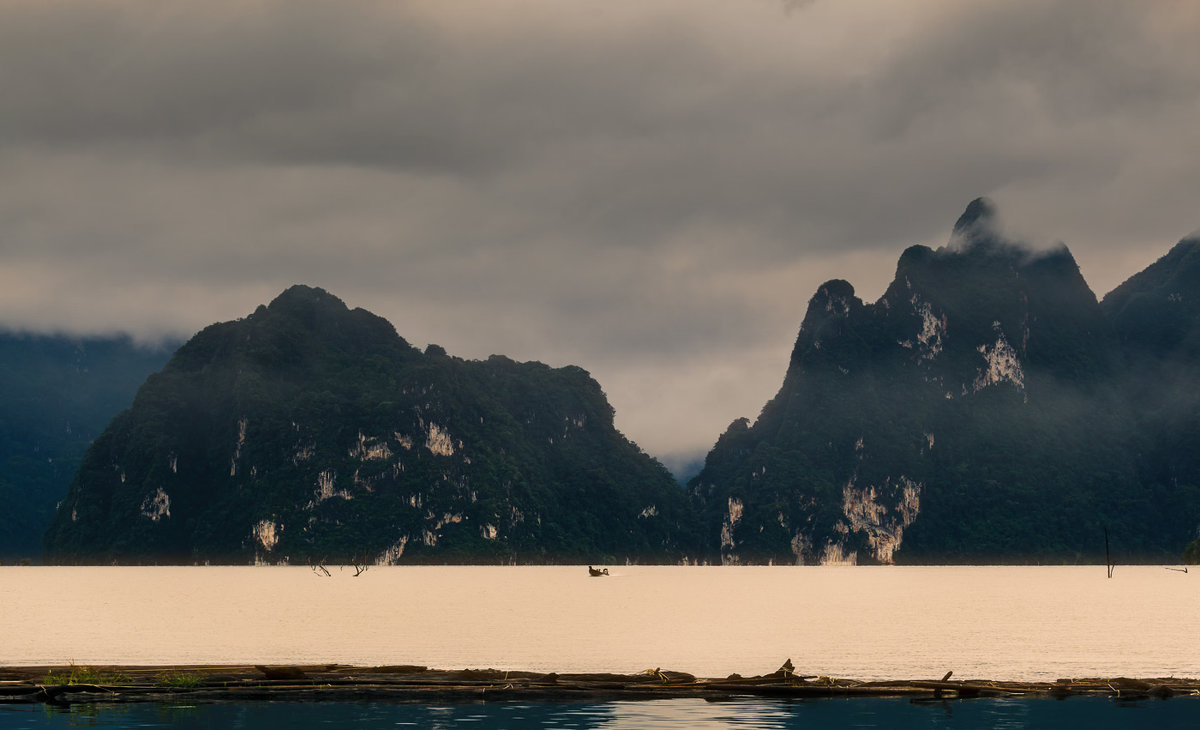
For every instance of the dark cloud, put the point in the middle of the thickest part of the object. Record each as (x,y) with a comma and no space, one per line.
(651,190)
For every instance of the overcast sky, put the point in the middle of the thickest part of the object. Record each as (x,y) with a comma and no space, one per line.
(650,189)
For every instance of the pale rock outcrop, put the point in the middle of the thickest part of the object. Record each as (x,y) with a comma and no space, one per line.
(155,506)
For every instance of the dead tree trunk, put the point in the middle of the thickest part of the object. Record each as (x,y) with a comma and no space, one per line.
(1107,557)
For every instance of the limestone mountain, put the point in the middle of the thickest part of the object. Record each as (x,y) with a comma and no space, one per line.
(1156,313)
(57,393)
(309,431)
(1156,317)
(979,411)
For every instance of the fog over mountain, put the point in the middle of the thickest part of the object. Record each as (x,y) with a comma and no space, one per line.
(987,408)
(57,394)
(650,190)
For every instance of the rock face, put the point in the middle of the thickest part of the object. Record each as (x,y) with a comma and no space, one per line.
(311,431)
(980,411)
(57,393)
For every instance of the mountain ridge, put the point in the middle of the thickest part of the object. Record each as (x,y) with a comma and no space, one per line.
(310,431)
(987,407)
(973,413)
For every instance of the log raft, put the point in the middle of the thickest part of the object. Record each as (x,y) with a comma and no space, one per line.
(407,683)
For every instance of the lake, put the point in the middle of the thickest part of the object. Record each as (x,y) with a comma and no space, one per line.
(857,622)
(872,713)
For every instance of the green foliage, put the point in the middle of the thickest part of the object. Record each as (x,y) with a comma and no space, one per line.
(85,675)
(1191,553)
(176,679)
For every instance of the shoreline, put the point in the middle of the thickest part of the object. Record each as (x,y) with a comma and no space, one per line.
(65,685)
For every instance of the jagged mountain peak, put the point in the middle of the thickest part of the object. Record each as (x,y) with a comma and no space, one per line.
(980,234)
(979,231)
(315,308)
(985,274)
(979,358)
(833,298)
(298,323)
(302,295)
(1182,261)
(914,256)
(1155,311)
(980,213)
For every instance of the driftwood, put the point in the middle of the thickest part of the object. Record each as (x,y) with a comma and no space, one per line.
(281,672)
(55,694)
(398,669)
(222,683)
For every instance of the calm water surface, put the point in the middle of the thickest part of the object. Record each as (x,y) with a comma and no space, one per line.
(895,714)
(859,622)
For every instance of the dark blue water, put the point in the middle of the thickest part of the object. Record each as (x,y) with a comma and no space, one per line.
(1083,712)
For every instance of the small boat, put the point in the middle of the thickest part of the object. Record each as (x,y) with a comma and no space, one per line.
(596,573)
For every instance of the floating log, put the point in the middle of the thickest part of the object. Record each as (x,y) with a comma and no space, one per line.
(419,684)
(285,672)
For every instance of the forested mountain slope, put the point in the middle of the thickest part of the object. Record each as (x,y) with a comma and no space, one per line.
(309,431)
(985,409)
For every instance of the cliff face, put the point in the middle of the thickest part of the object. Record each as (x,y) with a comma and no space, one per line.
(980,410)
(311,431)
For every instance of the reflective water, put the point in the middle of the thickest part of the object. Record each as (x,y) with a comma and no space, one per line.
(887,622)
(1082,712)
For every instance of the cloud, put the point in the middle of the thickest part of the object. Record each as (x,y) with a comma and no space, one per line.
(650,190)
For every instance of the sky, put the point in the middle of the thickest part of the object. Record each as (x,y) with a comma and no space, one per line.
(649,189)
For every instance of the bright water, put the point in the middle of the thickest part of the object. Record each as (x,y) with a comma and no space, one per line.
(864,623)
(857,622)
